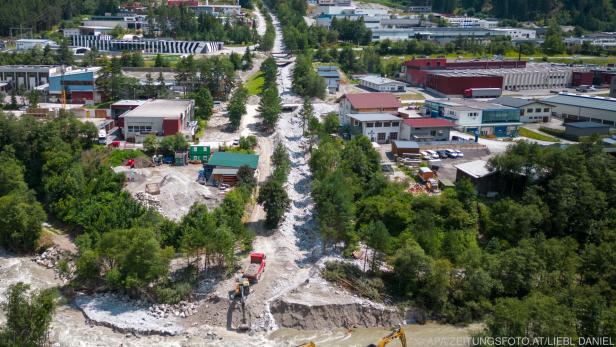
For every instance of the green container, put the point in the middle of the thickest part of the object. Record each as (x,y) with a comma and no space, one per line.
(199,152)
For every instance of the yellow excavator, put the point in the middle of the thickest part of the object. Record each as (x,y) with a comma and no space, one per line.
(396,334)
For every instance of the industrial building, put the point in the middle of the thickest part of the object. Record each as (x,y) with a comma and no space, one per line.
(148,46)
(217,10)
(575,130)
(532,77)
(415,71)
(482,118)
(132,22)
(426,129)
(583,108)
(28,44)
(484,180)
(160,117)
(78,84)
(531,110)
(378,127)
(27,77)
(456,82)
(439,34)
(381,84)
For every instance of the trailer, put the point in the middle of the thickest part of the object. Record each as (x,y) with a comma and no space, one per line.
(482,92)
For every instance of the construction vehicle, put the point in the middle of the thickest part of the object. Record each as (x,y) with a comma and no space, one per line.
(309,344)
(396,334)
(256,267)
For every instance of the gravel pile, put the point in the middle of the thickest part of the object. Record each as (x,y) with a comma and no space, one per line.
(183,309)
(149,201)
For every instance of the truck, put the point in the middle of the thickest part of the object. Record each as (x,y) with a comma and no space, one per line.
(482,92)
(102,137)
(256,267)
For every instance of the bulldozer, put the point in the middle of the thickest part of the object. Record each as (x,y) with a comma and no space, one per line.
(396,334)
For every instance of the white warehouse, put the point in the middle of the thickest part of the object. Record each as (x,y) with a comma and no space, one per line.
(381,84)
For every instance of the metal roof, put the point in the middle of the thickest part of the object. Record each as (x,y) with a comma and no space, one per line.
(516,102)
(371,117)
(406,144)
(160,108)
(429,123)
(373,100)
(379,80)
(225,171)
(586,125)
(329,74)
(588,101)
(476,169)
(232,159)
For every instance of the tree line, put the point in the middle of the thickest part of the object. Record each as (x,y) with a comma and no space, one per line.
(533,262)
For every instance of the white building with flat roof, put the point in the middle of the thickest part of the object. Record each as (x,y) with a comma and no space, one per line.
(27,44)
(381,84)
(161,117)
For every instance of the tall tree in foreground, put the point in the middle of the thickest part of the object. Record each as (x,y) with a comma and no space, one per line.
(270,107)
(275,201)
(27,317)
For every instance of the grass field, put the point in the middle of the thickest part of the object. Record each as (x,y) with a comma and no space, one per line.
(411,96)
(536,136)
(254,85)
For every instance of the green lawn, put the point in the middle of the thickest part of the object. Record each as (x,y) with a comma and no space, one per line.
(254,85)
(536,136)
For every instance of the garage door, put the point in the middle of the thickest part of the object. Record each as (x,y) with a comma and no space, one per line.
(500,131)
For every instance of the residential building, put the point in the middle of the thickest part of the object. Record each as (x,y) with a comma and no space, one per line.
(381,84)
(426,129)
(378,127)
(78,84)
(222,167)
(28,44)
(531,110)
(160,117)
(583,108)
(576,130)
(27,77)
(368,103)
(480,117)
(400,148)
(331,75)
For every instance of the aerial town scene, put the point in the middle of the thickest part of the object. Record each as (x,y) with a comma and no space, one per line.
(307,173)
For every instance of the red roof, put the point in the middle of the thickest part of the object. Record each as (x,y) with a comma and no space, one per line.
(429,123)
(373,100)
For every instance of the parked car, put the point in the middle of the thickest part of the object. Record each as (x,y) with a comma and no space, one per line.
(442,154)
(459,153)
(433,154)
(451,153)
(425,155)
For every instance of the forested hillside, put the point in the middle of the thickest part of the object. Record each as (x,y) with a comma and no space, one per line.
(589,14)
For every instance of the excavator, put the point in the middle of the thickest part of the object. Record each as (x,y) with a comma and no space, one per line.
(242,288)
(396,334)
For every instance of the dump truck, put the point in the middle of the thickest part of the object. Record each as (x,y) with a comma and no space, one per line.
(482,92)
(256,267)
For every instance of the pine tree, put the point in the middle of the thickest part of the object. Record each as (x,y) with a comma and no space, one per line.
(270,107)
(306,113)
(247,59)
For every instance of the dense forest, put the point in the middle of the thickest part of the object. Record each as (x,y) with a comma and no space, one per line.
(536,261)
(593,15)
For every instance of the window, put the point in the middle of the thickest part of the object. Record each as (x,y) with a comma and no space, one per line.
(395,124)
(393,136)
(529,110)
(355,122)
(369,125)
(381,136)
(546,110)
(433,132)
(378,124)
(130,128)
(538,110)
(386,124)
(521,112)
